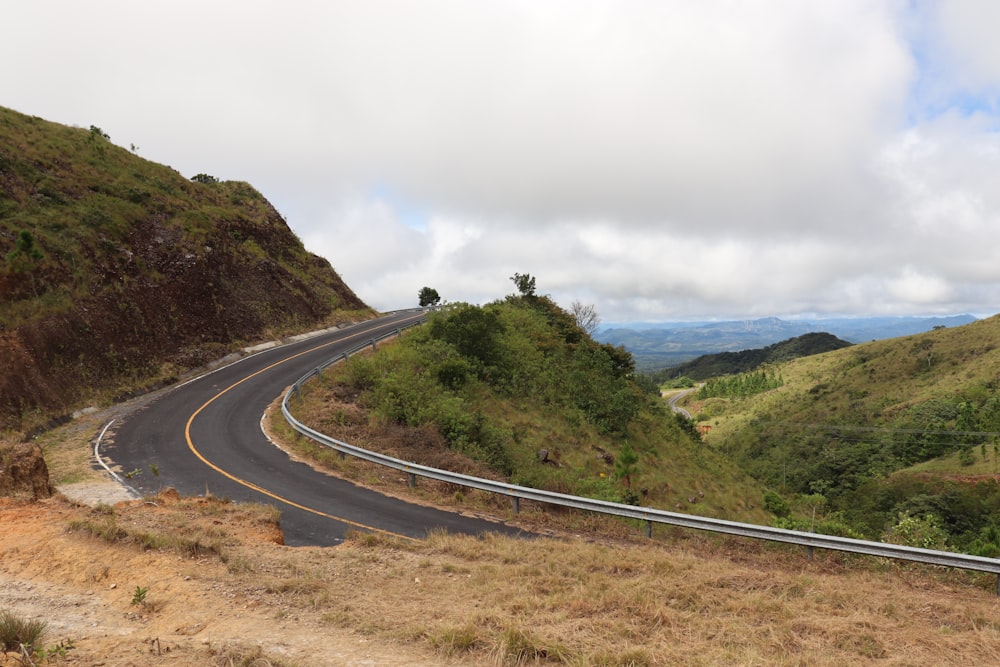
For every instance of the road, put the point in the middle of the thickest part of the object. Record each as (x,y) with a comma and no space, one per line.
(672,402)
(205,436)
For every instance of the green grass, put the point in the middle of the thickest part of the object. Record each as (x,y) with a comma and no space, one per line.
(527,381)
(116,271)
(882,428)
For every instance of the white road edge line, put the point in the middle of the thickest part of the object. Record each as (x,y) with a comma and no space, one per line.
(97,455)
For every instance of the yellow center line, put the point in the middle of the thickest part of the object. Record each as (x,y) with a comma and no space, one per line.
(251,485)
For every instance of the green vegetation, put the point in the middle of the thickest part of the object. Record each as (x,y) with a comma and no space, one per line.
(893,440)
(117,272)
(740,386)
(428,296)
(519,387)
(730,363)
(72,206)
(139,596)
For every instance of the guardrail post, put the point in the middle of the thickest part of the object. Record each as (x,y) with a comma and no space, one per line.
(374,348)
(649,528)
(412,483)
(319,372)
(517,504)
(998,585)
(810,550)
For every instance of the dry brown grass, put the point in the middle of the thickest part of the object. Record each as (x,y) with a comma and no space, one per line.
(686,599)
(621,600)
(503,601)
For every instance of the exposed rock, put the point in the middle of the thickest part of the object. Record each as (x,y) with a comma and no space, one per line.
(23,473)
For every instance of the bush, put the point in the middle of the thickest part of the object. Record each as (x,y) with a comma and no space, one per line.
(474,332)
(923,531)
(775,504)
(17,632)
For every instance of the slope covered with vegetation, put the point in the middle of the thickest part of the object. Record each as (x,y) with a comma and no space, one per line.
(517,390)
(837,440)
(115,270)
(727,363)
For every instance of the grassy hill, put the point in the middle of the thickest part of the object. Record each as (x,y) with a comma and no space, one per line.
(726,363)
(115,270)
(891,439)
(516,390)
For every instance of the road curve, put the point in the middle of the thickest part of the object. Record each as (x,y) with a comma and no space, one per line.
(205,435)
(672,402)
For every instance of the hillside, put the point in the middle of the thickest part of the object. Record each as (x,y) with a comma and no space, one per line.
(667,344)
(517,391)
(117,272)
(727,363)
(836,439)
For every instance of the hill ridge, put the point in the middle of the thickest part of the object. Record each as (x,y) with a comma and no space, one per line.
(115,270)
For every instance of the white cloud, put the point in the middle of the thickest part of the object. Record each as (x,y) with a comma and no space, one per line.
(915,286)
(967,29)
(659,159)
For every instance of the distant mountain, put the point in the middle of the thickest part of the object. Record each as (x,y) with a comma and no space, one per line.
(725,363)
(666,344)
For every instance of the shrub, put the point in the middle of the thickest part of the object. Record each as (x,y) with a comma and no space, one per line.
(775,504)
(17,632)
(923,531)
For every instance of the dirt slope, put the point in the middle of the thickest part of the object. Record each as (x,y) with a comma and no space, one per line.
(195,612)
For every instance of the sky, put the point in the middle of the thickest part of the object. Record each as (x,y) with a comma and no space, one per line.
(659,160)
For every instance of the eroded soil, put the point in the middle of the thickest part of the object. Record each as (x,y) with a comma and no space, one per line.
(195,612)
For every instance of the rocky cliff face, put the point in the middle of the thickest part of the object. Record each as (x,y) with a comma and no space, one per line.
(115,271)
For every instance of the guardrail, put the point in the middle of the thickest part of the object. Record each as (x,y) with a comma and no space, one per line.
(647,514)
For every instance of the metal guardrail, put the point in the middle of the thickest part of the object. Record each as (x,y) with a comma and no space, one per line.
(647,514)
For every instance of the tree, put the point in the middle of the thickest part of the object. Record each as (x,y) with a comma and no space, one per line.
(428,297)
(473,331)
(586,316)
(626,464)
(207,179)
(525,283)
(97,133)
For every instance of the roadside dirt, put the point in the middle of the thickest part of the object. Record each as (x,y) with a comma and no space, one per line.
(195,613)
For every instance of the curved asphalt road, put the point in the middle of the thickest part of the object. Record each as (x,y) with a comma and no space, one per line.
(205,435)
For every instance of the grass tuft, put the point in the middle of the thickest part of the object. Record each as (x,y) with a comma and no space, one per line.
(17,633)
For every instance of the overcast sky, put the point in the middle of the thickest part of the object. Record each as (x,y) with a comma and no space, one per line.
(660,160)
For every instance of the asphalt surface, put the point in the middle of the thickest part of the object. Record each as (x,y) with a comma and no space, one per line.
(205,436)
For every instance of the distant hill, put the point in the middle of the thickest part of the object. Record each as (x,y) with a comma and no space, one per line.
(668,344)
(896,439)
(115,271)
(726,363)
